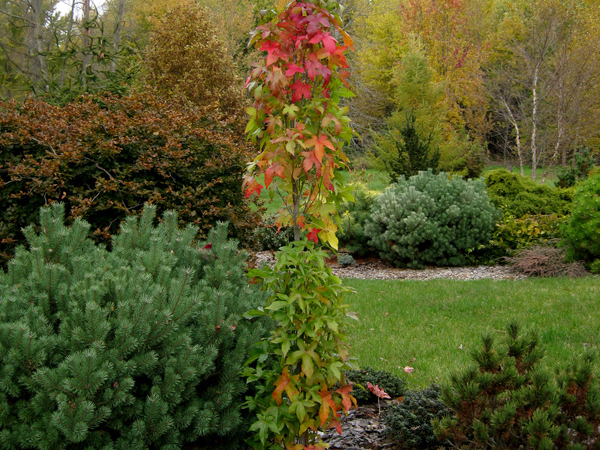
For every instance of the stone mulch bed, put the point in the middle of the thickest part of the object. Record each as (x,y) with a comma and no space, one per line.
(376,269)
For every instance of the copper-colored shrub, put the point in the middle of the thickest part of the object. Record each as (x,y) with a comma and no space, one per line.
(545,261)
(105,156)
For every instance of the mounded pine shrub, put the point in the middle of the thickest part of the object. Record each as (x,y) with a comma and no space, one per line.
(392,384)
(354,215)
(409,421)
(507,402)
(431,219)
(135,348)
(104,156)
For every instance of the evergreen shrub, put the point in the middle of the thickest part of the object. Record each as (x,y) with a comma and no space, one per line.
(268,236)
(409,422)
(104,156)
(507,402)
(514,233)
(354,215)
(519,196)
(135,348)
(581,166)
(393,385)
(582,233)
(431,219)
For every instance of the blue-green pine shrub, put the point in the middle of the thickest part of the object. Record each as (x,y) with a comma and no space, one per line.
(431,219)
(140,347)
(354,216)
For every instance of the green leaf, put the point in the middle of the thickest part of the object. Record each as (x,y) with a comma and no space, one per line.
(276,306)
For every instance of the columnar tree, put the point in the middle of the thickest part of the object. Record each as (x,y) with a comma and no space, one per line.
(296,118)
(300,128)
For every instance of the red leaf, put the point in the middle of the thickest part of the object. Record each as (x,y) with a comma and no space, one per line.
(252,186)
(207,246)
(275,170)
(300,90)
(314,67)
(377,391)
(293,69)
(329,42)
(314,235)
(269,46)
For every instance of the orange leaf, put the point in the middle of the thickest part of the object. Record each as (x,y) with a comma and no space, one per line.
(336,424)
(319,143)
(280,385)
(347,398)
(327,404)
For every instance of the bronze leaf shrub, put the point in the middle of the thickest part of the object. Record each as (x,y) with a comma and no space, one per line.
(185,60)
(105,156)
(545,261)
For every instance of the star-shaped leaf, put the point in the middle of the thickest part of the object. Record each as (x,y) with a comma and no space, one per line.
(300,91)
(319,143)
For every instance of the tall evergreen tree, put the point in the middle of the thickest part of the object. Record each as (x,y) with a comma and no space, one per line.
(415,154)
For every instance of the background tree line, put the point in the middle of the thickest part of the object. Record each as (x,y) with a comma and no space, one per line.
(512,79)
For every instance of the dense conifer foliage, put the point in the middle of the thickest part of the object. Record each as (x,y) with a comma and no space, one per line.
(431,219)
(135,348)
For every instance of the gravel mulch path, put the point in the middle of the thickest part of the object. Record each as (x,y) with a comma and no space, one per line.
(377,269)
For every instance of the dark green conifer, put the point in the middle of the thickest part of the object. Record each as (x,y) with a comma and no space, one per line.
(415,153)
(135,348)
(508,402)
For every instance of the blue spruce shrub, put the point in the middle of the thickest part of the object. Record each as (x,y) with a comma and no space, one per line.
(431,219)
(135,348)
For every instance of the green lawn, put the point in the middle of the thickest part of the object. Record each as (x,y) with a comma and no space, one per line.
(422,324)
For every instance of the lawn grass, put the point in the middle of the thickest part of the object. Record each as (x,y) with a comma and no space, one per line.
(422,324)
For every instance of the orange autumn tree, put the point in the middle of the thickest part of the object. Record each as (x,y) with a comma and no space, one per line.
(296,118)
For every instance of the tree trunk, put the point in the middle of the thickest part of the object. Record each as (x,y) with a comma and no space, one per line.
(117,35)
(534,120)
(36,46)
(515,124)
(87,42)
